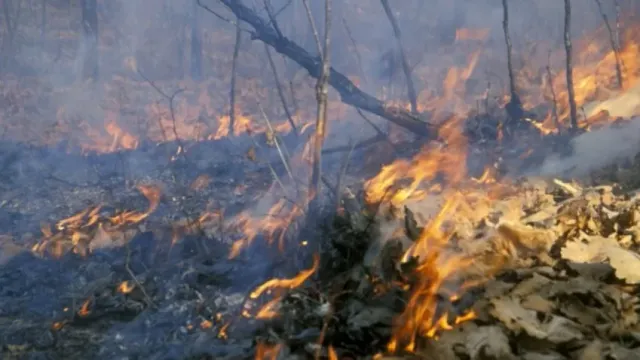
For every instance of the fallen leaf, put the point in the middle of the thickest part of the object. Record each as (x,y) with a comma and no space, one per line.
(488,342)
(593,351)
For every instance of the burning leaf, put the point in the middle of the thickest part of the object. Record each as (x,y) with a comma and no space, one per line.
(411,225)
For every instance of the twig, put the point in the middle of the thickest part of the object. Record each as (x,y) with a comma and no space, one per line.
(285,159)
(613,41)
(411,90)
(377,129)
(321,98)
(280,91)
(234,23)
(135,279)
(234,70)
(514,107)
(567,46)
(343,172)
(617,5)
(355,48)
(272,18)
(314,29)
(282,8)
(362,144)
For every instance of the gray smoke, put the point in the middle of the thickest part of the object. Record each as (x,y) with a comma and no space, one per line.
(596,149)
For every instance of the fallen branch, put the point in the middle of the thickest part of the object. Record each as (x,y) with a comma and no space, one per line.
(411,90)
(349,93)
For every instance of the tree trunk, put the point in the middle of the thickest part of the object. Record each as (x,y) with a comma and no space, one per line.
(196,45)
(90,39)
(573,111)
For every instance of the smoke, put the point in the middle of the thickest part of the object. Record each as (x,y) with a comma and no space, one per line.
(596,149)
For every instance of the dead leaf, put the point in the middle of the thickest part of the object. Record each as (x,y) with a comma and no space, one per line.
(515,317)
(370,316)
(488,342)
(527,239)
(593,351)
(625,263)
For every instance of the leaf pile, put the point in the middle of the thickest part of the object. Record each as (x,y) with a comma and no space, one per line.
(566,288)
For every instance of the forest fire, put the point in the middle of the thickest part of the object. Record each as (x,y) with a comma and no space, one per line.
(176,165)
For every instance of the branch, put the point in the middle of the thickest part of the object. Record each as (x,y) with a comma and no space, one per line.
(279,86)
(567,46)
(321,97)
(349,93)
(411,90)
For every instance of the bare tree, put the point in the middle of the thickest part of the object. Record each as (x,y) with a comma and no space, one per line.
(234,71)
(321,97)
(614,37)
(569,65)
(514,107)
(411,90)
(196,44)
(90,38)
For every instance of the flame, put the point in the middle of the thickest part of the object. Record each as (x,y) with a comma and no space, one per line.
(445,159)
(333,355)
(85,308)
(269,310)
(79,230)
(267,352)
(126,287)
(471,34)
(273,225)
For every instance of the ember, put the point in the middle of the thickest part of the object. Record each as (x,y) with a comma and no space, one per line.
(345,190)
